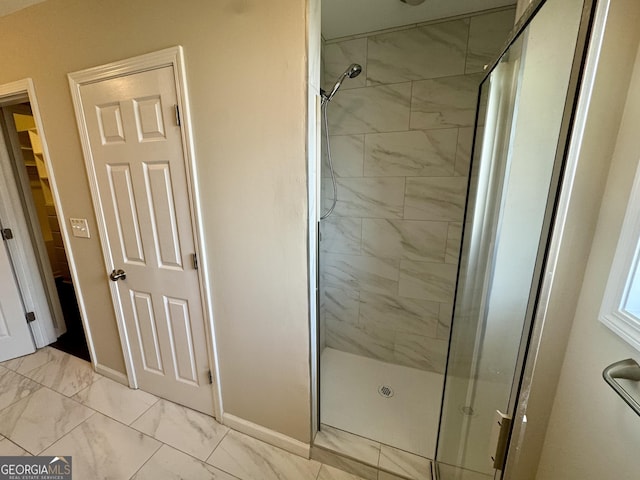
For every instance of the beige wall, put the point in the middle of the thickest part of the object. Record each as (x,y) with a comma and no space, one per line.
(592,434)
(246,70)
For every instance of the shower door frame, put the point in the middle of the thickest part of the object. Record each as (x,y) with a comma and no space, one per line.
(584,70)
(554,218)
(314,158)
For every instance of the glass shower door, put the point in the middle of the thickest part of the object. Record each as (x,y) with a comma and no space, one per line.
(524,110)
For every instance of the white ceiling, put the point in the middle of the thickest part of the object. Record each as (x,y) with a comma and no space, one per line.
(349,17)
(10,6)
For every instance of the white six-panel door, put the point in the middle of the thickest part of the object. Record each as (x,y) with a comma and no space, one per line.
(139,167)
(15,336)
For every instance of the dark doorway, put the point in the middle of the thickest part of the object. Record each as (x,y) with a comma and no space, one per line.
(28,160)
(73,341)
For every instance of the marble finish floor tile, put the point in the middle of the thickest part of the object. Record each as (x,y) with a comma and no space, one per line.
(105,449)
(10,449)
(116,400)
(331,473)
(27,363)
(171,464)
(344,464)
(404,463)
(14,387)
(428,51)
(251,459)
(348,444)
(448,471)
(382,475)
(187,430)
(65,374)
(35,422)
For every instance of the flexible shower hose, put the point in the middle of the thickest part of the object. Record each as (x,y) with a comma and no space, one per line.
(325,107)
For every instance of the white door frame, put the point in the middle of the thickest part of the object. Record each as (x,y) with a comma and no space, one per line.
(173,57)
(48,324)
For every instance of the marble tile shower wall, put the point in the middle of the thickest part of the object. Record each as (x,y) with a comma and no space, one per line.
(401,137)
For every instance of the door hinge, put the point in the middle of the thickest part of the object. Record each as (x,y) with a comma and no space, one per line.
(30,316)
(194,257)
(210,378)
(7,234)
(178,123)
(500,439)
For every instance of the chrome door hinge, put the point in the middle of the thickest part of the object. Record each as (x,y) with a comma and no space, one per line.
(500,439)
(210,378)
(30,316)
(7,234)
(194,257)
(178,122)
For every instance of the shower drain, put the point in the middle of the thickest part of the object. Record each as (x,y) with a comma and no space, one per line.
(386,391)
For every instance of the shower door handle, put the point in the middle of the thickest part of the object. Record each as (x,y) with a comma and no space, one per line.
(624,370)
(499,439)
(118,275)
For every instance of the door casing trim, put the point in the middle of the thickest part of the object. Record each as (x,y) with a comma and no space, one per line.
(173,57)
(24,90)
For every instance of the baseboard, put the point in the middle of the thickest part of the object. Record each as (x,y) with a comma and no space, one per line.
(114,375)
(267,435)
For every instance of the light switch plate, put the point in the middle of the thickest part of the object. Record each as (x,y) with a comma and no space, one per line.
(79,227)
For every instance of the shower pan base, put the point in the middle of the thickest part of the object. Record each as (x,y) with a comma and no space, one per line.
(355,399)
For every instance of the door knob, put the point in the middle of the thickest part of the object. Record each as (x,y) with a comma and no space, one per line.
(118,275)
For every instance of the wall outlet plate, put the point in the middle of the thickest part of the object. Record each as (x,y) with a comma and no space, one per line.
(79,227)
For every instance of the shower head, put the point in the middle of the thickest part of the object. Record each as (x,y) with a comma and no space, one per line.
(353,71)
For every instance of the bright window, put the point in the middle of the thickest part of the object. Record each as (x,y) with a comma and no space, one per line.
(621,304)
